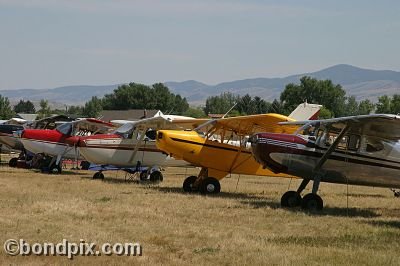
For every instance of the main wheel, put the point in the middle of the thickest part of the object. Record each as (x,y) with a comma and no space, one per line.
(210,185)
(312,202)
(13,162)
(85,165)
(55,169)
(188,183)
(98,175)
(143,176)
(156,177)
(291,199)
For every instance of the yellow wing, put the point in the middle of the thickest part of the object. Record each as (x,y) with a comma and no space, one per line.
(189,123)
(250,124)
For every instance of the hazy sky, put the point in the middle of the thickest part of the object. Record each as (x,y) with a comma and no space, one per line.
(49,43)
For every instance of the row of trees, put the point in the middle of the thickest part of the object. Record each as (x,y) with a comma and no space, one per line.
(6,112)
(129,96)
(331,96)
(138,96)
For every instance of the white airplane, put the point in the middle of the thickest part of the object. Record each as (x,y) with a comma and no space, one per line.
(133,144)
(356,150)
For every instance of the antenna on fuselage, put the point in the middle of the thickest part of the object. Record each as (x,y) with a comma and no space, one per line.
(229,110)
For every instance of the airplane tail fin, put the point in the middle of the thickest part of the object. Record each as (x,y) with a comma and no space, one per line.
(306,111)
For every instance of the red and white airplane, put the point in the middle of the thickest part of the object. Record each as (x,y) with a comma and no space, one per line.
(61,143)
(9,131)
(358,150)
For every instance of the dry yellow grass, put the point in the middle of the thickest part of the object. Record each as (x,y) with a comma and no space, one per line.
(244,225)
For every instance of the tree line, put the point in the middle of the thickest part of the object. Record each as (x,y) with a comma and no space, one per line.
(157,96)
(331,96)
(127,96)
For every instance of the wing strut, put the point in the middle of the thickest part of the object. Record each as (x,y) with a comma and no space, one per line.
(316,172)
(142,136)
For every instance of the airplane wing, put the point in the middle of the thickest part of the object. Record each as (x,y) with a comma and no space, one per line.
(93,125)
(189,123)
(250,124)
(379,125)
(161,122)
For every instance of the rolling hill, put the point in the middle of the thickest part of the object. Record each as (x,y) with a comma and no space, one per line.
(362,83)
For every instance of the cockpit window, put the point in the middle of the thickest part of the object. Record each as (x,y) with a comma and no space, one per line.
(126,128)
(373,144)
(348,142)
(308,129)
(65,129)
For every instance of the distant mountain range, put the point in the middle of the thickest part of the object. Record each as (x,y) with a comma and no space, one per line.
(362,83)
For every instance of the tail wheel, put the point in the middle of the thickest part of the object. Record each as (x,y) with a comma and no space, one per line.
(210,185)
(156,177)
(13,162)
(291,199)
(312,202)
(98,175)
(188,183)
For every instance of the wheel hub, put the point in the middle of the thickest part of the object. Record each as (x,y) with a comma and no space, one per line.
(210,188)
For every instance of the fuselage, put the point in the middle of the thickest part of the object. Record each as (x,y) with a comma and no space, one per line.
(112,149)
(50,142)
(219,158)
(357,160)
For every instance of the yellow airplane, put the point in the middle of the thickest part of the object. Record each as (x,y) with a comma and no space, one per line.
(221,146)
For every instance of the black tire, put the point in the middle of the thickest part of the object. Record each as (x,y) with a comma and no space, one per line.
(143,176)
(291,199)
(312,202)
(156,177)
(210,185)
(13,162)
(55,169)
(98,175)
(85,165)
(188,183)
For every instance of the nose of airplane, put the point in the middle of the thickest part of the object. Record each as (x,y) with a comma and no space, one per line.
(174,142)
(258,143)
(163,140)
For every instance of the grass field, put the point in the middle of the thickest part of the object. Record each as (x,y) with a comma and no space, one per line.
(244,225)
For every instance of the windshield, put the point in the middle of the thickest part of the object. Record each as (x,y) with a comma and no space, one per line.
(126,128)
(65,129)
